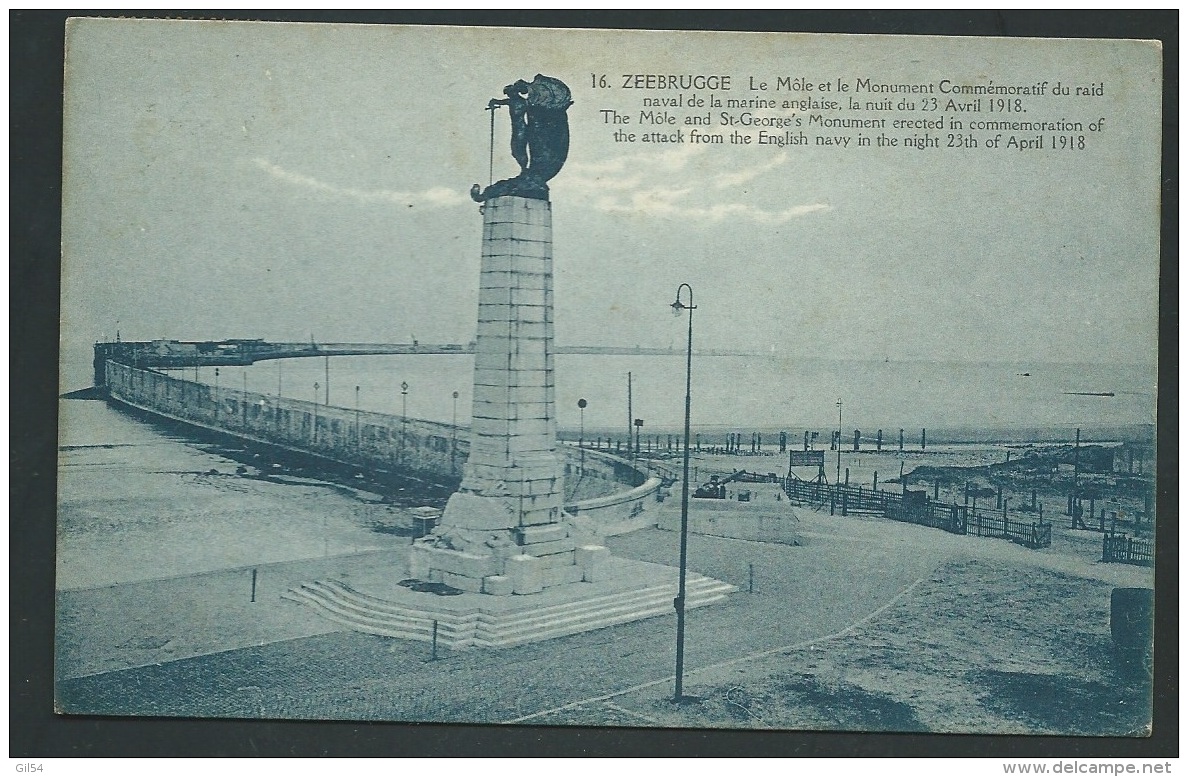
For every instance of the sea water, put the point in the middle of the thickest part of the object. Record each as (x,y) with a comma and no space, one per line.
(955,401)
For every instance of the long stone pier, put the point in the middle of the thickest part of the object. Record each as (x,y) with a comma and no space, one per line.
(423,449)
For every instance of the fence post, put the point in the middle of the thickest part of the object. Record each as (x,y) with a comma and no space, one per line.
(845,494)
(434,658)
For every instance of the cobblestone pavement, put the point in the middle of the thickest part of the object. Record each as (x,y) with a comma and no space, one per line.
(850,569)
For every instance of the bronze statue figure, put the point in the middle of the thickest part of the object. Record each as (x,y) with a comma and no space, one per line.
(539,137)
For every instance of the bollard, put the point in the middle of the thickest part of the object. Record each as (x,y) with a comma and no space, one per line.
(253,585)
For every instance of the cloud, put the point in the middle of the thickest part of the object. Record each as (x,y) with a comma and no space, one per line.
(434,197)
(739,177)
(661,202)
(671,160)
(669,184)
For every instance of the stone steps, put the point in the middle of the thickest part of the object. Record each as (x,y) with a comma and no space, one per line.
(371,615)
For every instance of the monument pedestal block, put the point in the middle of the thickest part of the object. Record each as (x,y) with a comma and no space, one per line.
(498,585)
(593,560)
(525,574)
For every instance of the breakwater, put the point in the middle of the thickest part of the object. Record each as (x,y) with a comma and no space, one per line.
(598,484)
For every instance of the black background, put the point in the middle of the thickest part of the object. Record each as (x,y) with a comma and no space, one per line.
(36,48)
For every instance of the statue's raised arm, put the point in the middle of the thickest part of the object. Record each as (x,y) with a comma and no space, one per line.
(539,137)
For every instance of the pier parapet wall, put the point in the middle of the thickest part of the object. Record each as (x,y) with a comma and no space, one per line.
(599,483)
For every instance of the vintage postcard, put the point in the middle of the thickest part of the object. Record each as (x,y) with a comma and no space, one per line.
(608,378)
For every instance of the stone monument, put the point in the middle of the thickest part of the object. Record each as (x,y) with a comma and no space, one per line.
(505,532)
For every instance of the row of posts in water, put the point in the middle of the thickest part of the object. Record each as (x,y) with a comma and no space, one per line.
(734,443)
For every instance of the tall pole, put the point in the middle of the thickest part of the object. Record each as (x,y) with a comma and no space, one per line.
(1076,467)
(677,307)
(327,402)
(403,417)
(315,413)
(279,377)
(454,434)
(358,434)
(216,395)
(630,415)
(582,434)
(243,402)
(839,441)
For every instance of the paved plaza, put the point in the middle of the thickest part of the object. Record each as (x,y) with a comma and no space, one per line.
(867,624)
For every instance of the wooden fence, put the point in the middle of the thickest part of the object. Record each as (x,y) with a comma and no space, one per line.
(916,507)
(1121,549)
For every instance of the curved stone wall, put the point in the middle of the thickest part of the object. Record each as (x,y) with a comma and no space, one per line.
(426,449)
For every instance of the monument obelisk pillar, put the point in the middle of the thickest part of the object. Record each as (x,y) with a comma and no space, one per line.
(514,476)
(504,531)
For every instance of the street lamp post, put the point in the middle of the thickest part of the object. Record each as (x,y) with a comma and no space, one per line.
(837,480)
(403,417)
(679,602)
(582,434)
(358,433)
(216,395)
(315,412)
(454,435)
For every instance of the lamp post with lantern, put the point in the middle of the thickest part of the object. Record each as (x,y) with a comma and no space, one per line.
(679,602)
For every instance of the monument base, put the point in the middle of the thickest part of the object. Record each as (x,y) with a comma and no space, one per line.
(502,562)
(631,590)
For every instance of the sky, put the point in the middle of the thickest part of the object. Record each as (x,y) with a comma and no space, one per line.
(298,181)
